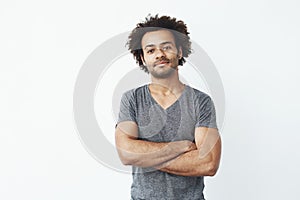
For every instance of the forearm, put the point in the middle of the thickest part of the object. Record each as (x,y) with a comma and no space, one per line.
(148,154)
(190,164)
(201,162)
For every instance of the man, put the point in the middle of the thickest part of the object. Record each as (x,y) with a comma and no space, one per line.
(166,130)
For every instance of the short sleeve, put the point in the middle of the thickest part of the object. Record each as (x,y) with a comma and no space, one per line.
(205,113)
(127,108)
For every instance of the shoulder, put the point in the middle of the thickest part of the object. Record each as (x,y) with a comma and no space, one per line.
(135,92)
(198,95)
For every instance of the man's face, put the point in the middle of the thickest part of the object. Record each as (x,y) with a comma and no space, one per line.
(160,53)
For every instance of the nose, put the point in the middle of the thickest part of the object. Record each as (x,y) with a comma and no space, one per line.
(160,53)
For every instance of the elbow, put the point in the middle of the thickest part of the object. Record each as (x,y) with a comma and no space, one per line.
(211,173)
(133,161)
(126,162)
(212,169)
(126,158)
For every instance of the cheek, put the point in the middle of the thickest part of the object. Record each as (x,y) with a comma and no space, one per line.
(148,59)
(172,55)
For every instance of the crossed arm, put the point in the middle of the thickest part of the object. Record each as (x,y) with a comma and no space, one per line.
(180,157)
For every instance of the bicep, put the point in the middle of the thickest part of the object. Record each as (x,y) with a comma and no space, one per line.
(125,131)
(208,142)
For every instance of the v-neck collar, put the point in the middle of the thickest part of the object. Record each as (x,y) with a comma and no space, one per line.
(165,109)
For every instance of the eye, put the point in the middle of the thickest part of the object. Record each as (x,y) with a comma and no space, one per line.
(150,51)
(165,48)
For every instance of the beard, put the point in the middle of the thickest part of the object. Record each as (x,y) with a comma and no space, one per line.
(166,71)
(164,74)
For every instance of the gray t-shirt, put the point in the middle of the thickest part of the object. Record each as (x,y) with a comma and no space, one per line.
(177,122)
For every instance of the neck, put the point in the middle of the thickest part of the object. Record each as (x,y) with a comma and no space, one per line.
(166,86)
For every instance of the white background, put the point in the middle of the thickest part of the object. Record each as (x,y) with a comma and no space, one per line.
(255,46)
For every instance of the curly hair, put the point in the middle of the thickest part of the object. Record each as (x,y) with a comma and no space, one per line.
(177,27)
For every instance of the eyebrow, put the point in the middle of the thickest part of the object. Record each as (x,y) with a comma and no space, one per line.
(163,43)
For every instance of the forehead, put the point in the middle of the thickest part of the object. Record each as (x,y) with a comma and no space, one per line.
(157,37)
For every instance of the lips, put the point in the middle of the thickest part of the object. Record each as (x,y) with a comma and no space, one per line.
(162,62)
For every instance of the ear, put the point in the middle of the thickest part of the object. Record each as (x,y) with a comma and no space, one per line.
(179,54)
(142,58)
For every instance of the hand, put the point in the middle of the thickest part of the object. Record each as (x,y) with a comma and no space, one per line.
(183,146)
(180,147)
(192,146)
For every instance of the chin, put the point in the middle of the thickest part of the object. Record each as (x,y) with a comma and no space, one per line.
(163,75)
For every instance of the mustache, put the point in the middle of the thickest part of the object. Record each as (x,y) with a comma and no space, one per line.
(161,60)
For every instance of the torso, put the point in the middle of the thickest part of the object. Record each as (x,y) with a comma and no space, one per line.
(166,100)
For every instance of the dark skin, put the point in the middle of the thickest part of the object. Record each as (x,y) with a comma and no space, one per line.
(184,158)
